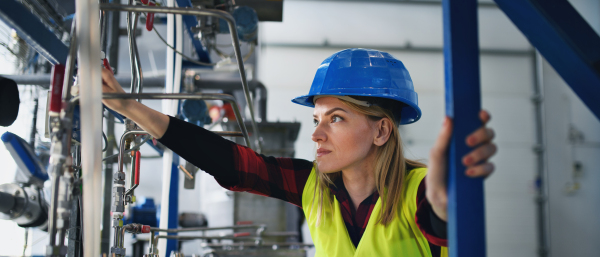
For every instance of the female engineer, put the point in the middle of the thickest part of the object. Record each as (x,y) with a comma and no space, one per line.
(361,196)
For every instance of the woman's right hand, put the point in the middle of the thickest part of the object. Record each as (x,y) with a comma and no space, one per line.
(110,85)
(150,120)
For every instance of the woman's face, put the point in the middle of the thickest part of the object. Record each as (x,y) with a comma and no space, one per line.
(344,137)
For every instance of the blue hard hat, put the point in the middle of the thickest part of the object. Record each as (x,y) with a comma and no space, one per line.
(365,72)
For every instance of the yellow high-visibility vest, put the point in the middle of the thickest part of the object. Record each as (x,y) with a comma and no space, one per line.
(401,237)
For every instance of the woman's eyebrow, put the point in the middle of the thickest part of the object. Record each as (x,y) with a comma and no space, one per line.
(332,110)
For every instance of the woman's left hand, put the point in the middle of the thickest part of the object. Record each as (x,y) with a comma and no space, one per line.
(476,162)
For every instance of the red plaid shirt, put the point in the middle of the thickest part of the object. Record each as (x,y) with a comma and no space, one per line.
(239,168)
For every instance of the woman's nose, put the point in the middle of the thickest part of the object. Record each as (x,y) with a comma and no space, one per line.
(319,134)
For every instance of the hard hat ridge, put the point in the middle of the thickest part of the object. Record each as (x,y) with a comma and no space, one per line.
(369,73)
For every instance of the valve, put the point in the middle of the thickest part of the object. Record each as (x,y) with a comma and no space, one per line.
(149,16)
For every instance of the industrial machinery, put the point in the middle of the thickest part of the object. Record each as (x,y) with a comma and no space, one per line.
(24,201)
(61,212)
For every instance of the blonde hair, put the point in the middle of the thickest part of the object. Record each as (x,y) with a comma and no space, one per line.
(390,167)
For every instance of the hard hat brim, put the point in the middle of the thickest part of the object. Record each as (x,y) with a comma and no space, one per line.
(409,114)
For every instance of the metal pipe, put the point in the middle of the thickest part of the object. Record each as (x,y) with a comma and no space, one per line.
(102,26)
(254,238)
(130,40)
(34,122)
(177,230)
(112,41)
(70,65)
(406,48)
(108,176)
(204,12)
(120,194)
(122,146)
(138,65)
(539,150)
(410,2)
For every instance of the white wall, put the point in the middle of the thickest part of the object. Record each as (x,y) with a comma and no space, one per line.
(572,134)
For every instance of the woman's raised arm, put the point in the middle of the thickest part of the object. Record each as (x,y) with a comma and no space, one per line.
(152,121)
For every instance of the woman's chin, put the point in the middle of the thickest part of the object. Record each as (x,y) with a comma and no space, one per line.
(324,168)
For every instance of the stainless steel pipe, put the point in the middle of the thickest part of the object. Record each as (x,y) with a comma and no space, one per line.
(122,146)
(177,230)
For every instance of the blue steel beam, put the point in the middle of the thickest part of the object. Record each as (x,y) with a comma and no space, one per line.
(191,22)
(33,31)
(565,39)
(466,220)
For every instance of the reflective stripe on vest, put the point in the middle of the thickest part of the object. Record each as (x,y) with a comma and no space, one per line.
(401,237)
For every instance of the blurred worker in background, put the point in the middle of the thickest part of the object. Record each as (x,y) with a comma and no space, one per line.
(361,196)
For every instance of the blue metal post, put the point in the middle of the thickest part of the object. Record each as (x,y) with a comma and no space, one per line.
(173,203)
(33,31)
(191,22)
(466,221)
(565,39)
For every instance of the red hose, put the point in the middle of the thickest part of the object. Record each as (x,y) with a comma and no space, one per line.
(138,155)
(56,82)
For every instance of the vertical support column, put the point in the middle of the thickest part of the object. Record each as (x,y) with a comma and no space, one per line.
(88,34)
(466,220)
(170,187)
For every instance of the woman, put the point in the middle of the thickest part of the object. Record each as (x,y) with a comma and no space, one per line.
(361,196)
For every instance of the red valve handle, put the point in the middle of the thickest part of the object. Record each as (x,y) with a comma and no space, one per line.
(241,234)
(107,65)
(56,85)
(150,17)
(138,155)
(145,229)
(246,222)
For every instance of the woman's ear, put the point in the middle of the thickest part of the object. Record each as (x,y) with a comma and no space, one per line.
(383,131)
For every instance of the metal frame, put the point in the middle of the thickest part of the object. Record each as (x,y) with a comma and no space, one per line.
(466,212)
(234,37)
(565,39)
(33,31)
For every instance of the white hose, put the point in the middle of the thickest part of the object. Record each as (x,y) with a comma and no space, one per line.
(88,34)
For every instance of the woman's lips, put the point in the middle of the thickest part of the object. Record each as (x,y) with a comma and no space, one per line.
(321,152)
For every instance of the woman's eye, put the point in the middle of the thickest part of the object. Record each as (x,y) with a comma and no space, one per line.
(316,122)
(336,119)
